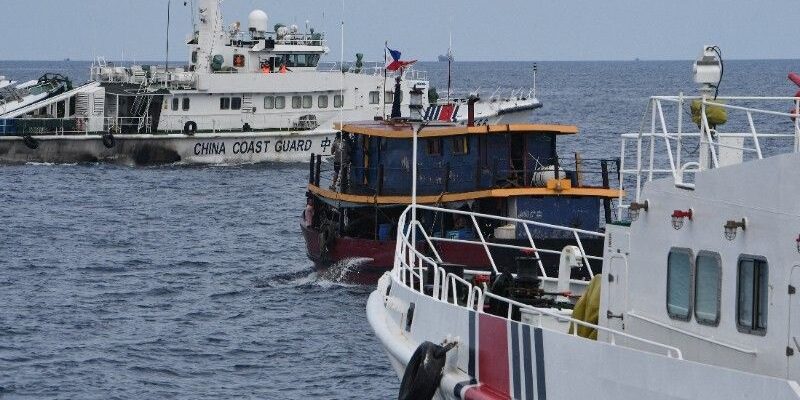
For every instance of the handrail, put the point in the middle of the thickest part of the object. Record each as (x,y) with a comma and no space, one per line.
(672,352)
(409,265)
(665,149)
(694,335)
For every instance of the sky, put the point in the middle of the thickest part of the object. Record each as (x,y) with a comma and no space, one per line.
(488,30)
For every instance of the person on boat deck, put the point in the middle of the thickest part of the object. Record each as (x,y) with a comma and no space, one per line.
(283,69)
(308,213)
(341,161)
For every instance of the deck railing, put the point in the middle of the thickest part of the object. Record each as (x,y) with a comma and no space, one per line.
(674,146)
(73,125)
(411,268)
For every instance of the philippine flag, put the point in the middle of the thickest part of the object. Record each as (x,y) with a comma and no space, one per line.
(397,63)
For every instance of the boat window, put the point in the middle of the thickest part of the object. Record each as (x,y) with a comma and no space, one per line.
(708,278)
(752,291)
(389,98)
(374,97)
(280,102)
(186,103)
(434,146)
(308,101)
(301,60)
(679,284)
(175,103)
(322,101)
(461,145)
(269,102)
(297,101)
(236,103)
(338,101)
(225,103)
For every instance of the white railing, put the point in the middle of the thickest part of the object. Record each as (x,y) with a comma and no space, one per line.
(674,146)
(75,125)
(411,267)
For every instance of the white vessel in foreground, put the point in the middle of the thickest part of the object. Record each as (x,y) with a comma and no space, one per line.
(248,95)
(698,295)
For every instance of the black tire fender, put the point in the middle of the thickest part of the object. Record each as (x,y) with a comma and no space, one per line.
(190,128)
(30,142)
(424,372)
(108,140)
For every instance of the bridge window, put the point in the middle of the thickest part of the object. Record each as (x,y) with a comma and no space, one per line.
(461,145)
(708,278)
(297,101)
(322,101)
(175,103)
(236,103)
(269,102)
(300,60)
(308,101)
(679,284)
(434,146)
(280,102)
(186,104)
(752,292)
(338,101)
(374,97)
(225,103)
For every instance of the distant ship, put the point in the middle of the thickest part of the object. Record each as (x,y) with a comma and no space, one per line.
(446,58)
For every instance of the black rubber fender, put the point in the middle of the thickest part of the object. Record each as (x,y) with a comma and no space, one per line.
(424,372)
(190,128)
(30,142)
(247,128)
(108,140)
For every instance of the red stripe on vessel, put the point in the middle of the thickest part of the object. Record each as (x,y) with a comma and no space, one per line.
(447,112)
(493,356)
(484,393)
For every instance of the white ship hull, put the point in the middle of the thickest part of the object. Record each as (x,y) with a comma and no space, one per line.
(497,358)
(146,149)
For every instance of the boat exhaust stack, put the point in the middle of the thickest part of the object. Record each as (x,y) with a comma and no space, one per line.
(473,98)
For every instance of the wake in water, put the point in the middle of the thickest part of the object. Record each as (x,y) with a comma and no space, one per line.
(345,273)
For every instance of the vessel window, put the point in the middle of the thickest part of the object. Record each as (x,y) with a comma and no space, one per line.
(297,101)
(280,102)
(374,97)
(389,98)
(708,278)
(225,103)
(308,101)
(752,291)
(679,284)
(322,101)
(461,145)
(269,102)
(434,147)
(175,103)
(186,103)
(236,103)
(338,101)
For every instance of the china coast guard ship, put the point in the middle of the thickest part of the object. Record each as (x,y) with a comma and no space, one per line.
(248,95)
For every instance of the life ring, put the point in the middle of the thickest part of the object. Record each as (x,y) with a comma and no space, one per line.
(108,140)
(190,128)
(30,142)
(424,372)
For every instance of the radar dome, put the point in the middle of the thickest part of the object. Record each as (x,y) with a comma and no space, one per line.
(258,21)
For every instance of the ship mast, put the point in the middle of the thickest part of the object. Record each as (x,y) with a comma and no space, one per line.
(210,24)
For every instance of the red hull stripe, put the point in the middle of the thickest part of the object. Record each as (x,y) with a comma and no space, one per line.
(493,354)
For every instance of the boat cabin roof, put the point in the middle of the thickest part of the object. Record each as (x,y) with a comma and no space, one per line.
(404,129)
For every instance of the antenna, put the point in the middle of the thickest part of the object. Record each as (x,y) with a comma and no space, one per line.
(166,62)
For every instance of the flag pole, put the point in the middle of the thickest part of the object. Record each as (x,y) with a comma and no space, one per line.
(385,76)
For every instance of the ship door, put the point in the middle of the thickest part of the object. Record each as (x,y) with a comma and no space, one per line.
(793,343)
(616,295)
(518,151)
